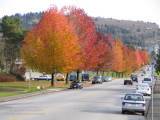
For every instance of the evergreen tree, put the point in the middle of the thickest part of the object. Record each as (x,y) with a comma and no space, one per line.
(157,65)
(13,36)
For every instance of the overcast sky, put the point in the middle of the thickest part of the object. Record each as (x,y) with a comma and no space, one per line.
(142,10)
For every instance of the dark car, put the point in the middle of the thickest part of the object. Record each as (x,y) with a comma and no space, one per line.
(134,78)
(128,82)
(85,77)
(72,77)
(97,79)
(76,84)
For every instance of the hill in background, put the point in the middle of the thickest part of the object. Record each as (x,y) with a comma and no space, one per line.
(139,33)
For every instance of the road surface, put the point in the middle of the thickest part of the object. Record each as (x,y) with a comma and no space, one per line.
(98,102)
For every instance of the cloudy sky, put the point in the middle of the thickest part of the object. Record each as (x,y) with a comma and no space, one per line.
(142,10)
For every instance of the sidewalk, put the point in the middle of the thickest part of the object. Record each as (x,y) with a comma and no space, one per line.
(156,103)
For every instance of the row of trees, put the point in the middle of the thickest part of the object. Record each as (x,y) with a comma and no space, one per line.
(67,40)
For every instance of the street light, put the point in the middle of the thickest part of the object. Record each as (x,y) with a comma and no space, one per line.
(152,76)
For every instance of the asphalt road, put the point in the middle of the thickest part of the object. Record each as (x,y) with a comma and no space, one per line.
(99,102)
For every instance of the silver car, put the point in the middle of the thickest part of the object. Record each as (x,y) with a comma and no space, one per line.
(133,102)
(148,81)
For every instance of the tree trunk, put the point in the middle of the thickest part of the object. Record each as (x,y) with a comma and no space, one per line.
(67,80)
(97,73)
(52,81)
(78,74)
(102,73)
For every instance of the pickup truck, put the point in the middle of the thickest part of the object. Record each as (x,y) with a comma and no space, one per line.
(43,77)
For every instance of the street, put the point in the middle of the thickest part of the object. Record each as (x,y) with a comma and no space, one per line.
(98,102)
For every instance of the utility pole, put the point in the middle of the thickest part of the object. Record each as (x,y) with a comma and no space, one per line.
(29,78)
(152,76)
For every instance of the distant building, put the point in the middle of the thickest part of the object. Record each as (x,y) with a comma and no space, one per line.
(156,48)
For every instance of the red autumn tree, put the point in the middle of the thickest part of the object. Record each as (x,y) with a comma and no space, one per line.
(128,59)
(105,52)
(84,27)
(138,59)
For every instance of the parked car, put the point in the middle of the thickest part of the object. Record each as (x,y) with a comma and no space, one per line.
(60,77)
(143,88)
(133,102)
(148,81)
(85,77)
(97,79)
(76,84)
(134,78)
(109,78)
(43,77)
(72,77)
(129,81)
(106,79)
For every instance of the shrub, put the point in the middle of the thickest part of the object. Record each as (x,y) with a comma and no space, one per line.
(7,79)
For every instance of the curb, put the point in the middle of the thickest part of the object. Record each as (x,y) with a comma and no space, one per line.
(15,97)
(21,96)
(150,100)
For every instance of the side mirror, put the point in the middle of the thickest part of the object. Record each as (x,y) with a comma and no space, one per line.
(122,98)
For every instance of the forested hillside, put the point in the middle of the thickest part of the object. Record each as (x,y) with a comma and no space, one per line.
(136,32)
(139,33)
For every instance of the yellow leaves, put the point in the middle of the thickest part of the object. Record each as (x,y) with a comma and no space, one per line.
(52,44)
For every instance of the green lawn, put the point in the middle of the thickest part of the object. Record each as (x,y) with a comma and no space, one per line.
(24,86)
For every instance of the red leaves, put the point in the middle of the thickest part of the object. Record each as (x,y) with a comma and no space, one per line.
(66,40)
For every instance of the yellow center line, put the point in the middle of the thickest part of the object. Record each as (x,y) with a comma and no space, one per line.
(91,94)
(32,113)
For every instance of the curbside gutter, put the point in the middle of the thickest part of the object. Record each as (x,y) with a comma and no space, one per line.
(15,97)
(148,109)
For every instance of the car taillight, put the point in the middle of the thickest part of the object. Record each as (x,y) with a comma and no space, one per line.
(123,103)
(136,88)
(148,89)
(143,105)
(142,82)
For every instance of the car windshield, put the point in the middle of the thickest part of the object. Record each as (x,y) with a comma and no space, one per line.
(147,79)
(127,80)
(134,75)
(96,77)
(135,97)
(104,77)
(73,76)
(85,75)
(76,81)
(59,75)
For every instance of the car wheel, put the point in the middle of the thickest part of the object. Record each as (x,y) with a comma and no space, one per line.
(143,113)
(124,83)
(123,112)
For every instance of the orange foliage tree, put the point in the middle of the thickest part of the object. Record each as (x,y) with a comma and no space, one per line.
(52,44)
(118,62)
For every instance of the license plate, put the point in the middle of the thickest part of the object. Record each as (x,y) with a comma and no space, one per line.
(136,105)
(74,86)
(130,105)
